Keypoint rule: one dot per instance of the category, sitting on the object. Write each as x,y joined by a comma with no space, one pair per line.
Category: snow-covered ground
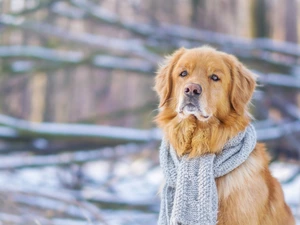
132,180
289,176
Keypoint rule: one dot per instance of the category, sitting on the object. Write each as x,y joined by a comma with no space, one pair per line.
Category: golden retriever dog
221,88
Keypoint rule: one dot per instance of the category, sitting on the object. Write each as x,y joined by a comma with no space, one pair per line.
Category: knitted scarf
189,196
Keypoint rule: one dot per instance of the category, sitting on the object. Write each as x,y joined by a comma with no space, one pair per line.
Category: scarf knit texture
189,196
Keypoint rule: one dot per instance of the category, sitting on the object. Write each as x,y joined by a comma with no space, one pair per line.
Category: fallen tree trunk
68,158
108,134
79,199
272,133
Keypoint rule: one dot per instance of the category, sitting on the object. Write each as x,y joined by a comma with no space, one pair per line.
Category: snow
132,179
123,63
31,177
288,175
22,66
63,8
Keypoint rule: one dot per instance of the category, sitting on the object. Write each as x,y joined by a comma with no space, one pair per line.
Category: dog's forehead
202,58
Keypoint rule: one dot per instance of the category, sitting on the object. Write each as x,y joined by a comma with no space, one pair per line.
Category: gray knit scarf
190,196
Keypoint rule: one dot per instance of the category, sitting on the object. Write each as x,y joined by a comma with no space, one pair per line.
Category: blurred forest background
77,141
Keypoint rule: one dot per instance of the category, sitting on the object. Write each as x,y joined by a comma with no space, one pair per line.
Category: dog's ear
243,85
163,79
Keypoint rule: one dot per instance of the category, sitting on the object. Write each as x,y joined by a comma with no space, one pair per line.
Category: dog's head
204,83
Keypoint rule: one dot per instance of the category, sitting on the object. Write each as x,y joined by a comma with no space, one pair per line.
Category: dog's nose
192,90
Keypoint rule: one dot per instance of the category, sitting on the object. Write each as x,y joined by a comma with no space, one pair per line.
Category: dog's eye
214,77
183,73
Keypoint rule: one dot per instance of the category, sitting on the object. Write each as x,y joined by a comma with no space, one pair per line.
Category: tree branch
281,80
271,133
37,52
132,46
63,59
62,159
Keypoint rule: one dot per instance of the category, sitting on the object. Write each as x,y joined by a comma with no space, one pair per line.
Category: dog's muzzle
190,101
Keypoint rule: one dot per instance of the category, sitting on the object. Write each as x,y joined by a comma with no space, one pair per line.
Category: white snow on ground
134,180
137,180
33,177
291,188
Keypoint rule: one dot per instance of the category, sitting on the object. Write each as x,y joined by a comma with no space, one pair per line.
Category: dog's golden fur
249,195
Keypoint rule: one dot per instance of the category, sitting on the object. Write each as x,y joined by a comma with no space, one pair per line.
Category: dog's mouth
190,108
